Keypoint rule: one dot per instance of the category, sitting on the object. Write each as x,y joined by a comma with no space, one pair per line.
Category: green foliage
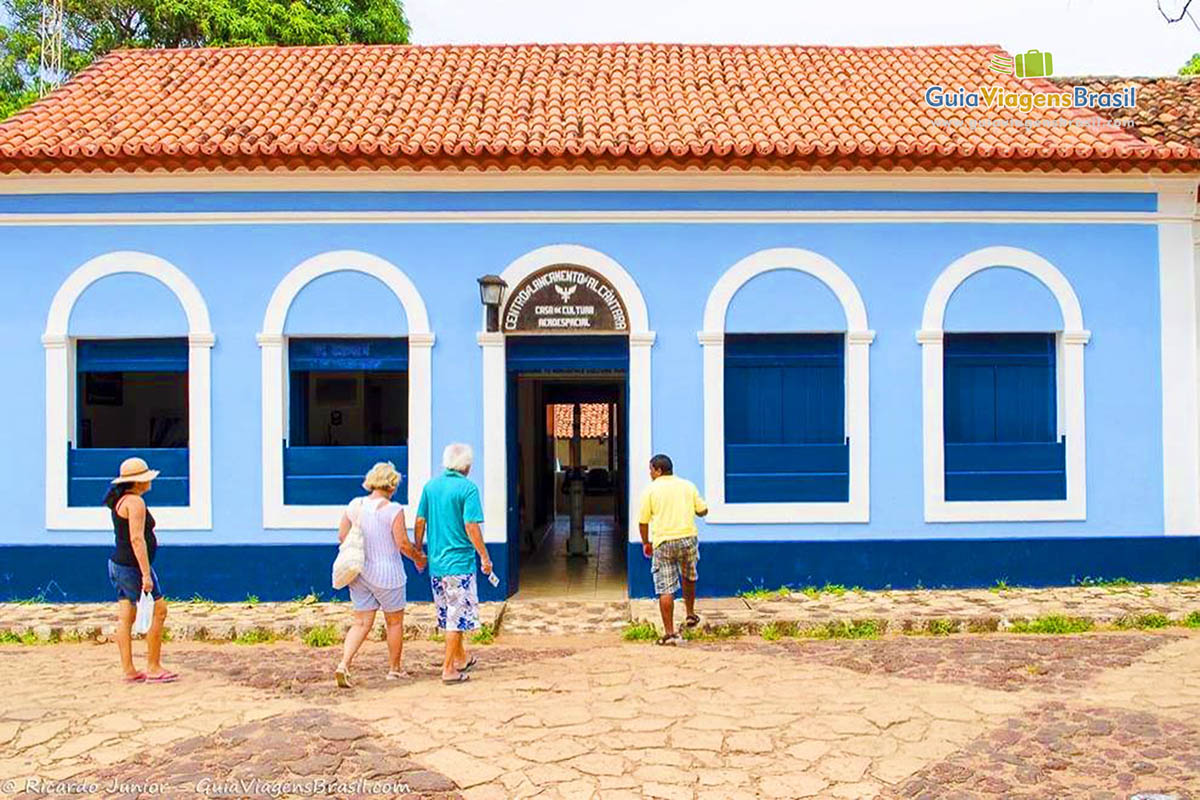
639,632
1142,622
92,28
761,593
1053,623
321,636
856,629
941,627
259,636
12,637
485,635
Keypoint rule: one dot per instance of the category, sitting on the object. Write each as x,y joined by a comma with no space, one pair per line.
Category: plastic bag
145,614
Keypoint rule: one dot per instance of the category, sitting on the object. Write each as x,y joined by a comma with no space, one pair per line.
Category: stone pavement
1103,715
965,609
205,620
955,609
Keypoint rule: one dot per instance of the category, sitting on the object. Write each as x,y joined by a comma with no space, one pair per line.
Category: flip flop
166,677
471,662
462,678
342,676
139,677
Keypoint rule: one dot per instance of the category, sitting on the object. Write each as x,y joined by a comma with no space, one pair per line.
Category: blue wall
1113,268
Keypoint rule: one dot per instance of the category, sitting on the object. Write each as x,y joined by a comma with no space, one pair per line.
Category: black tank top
123,554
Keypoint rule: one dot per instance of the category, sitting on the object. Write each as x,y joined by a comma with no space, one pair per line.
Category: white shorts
368,597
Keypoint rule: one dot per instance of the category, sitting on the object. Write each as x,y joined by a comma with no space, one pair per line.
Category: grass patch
1192,620
485,635
1104,583
259,636
321,636
855,629
1053,624
761,593
639,632
712,634
1142,622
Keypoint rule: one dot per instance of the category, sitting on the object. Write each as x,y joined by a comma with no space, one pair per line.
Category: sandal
692,621
165,677
137,677
342,676
397,675
669,641
462,678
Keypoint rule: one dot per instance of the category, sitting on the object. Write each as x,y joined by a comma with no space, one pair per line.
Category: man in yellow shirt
667,522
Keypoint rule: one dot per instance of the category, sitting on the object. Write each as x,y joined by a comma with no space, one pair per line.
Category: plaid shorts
674,560
457,602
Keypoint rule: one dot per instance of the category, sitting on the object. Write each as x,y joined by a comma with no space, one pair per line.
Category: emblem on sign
565,299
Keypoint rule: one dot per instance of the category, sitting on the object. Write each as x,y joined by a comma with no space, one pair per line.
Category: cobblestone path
1104,715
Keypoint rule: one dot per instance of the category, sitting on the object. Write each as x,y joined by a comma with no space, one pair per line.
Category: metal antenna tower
50,32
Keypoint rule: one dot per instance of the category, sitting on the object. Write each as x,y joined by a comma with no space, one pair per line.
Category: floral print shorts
457,602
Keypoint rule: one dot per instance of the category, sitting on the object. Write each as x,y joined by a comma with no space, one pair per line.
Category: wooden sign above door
565,298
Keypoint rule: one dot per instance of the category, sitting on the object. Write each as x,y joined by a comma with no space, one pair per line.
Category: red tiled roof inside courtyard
620,106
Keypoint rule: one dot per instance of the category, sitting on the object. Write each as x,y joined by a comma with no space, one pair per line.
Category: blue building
892,344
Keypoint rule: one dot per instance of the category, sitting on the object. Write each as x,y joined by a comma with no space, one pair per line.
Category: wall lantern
491,290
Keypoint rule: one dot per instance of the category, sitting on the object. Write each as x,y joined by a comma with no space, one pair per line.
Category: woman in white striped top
381,583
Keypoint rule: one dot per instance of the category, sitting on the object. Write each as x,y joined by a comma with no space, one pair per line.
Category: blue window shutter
785,418
131,355
332,354
1000,417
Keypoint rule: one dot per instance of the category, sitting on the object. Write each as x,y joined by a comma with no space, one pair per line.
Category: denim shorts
369,597
128,582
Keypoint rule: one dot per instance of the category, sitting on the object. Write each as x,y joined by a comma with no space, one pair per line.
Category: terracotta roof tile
620,106
1167,112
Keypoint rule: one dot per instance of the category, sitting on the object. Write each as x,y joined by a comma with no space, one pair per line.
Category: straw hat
135,470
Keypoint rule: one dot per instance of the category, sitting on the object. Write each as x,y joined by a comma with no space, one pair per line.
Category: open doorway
568,470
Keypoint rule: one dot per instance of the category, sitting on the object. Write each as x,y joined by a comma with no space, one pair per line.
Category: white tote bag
145,614
351,552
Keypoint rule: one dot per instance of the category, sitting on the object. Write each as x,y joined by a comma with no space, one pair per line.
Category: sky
1086,37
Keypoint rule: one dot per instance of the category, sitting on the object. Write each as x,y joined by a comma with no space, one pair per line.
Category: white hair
458,457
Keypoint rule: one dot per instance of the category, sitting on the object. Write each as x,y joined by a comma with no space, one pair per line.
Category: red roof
617,106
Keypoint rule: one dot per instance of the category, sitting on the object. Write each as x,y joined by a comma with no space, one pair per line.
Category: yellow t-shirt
669,506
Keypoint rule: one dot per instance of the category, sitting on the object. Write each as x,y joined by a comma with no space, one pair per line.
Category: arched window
111,397
1003,409
786,414
334,403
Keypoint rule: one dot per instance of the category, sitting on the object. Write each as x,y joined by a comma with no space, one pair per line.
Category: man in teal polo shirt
450,513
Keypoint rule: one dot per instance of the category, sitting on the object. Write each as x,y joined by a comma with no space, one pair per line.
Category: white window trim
273,346
495,424
1070,380
858,423
60,394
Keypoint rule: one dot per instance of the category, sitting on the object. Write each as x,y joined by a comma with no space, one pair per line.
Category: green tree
92,28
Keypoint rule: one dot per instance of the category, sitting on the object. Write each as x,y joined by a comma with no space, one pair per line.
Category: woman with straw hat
130,570
381,583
